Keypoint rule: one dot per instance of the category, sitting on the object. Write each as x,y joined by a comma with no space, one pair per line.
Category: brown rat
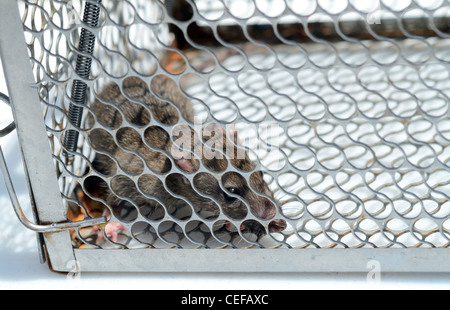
134,147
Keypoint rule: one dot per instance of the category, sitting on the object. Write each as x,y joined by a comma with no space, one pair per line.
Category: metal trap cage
337,111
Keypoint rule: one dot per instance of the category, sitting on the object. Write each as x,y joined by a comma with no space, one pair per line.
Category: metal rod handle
8,129
53,227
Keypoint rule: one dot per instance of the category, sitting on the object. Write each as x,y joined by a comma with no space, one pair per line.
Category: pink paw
112,231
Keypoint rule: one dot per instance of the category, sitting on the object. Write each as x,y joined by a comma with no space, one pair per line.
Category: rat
142,144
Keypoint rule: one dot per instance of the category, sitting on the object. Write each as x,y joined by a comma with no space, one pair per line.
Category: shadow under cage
265,135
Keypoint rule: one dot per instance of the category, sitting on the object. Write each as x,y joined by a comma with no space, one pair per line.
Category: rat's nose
254,227
257,228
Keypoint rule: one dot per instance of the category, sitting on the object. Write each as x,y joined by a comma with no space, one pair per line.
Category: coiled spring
83,69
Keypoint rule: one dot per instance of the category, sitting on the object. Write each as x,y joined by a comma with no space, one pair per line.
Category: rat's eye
234,191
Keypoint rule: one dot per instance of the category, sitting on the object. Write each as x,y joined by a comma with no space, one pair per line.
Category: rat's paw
112,231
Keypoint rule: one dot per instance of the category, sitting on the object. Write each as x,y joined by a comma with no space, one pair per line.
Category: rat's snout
264,209
252,226
257,228
267,210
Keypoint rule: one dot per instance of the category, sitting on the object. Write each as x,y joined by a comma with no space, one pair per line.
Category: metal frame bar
264,260
46,194
32,134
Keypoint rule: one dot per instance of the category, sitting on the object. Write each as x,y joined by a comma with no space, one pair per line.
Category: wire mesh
342,107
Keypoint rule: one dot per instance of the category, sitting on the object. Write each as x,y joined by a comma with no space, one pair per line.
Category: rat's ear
186,164
184,159
184,139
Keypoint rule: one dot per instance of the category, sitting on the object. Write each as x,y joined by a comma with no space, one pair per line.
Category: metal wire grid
353,136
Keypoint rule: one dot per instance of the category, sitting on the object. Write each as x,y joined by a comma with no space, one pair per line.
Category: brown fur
131,152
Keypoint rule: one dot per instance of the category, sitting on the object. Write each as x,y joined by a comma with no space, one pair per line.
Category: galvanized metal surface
32,133
264,260
352,136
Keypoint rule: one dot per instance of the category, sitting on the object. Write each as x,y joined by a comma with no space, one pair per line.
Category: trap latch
41,228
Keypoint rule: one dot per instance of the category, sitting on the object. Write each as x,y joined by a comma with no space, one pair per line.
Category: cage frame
45,195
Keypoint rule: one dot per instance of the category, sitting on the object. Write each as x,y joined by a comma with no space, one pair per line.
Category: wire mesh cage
274,135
